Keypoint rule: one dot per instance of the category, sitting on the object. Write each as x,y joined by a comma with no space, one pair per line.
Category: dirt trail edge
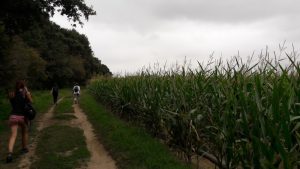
43,122
100,159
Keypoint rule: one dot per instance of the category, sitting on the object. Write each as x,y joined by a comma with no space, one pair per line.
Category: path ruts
99,159
42,123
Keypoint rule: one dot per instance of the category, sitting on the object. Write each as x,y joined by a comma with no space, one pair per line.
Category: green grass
41,101
131,147
4,107
4,111
66,93
61,147
64,107
64,117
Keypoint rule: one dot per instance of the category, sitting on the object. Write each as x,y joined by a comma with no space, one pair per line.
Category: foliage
235,114
68,54
19,15
35,49
21,61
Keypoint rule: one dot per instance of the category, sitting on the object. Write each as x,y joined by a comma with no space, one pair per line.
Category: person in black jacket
18,99
54,92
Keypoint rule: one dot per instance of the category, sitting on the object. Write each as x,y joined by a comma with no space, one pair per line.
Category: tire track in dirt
42,123
100,159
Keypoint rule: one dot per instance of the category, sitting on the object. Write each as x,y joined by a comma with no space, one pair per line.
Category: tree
36,49
18,15
73,9
21,62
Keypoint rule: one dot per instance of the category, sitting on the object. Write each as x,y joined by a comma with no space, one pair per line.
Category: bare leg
24,135
13,136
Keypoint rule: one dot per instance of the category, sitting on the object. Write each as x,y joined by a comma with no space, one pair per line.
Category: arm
28,95
11,95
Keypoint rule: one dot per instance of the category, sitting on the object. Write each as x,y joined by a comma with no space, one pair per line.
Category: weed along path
65,139
99,157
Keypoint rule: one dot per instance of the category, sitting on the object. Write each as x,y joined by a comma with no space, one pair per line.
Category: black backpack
28,110
76,89
55,89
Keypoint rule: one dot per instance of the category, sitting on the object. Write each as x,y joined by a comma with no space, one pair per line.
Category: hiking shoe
24,150
9,158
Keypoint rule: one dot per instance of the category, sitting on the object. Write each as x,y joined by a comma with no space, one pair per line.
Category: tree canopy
38,50
18,15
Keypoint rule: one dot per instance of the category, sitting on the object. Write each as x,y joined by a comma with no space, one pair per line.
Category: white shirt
78,92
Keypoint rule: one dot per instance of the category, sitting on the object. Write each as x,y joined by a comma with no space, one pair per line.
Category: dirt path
42,123
100,159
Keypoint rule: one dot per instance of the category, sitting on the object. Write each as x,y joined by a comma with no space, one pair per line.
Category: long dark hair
20,84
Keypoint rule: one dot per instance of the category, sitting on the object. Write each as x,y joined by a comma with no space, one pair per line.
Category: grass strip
131,147
64,117
65,106
61,147
41,101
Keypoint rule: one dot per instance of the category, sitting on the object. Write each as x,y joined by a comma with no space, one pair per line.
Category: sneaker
9,158
24,150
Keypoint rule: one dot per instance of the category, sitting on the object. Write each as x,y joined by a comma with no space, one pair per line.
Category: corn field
236,114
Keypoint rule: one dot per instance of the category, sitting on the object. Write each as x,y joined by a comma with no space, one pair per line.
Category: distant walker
54,92
76,93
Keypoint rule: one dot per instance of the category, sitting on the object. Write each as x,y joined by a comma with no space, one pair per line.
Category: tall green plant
235,114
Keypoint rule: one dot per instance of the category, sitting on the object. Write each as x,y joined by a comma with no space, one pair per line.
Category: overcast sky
129,34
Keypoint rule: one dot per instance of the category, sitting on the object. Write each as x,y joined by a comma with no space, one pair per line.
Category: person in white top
76,93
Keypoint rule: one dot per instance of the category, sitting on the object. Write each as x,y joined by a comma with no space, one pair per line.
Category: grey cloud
129,34
146,16
143,11
227,10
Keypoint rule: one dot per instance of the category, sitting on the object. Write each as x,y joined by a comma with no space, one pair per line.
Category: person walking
18,98
54,92
76,93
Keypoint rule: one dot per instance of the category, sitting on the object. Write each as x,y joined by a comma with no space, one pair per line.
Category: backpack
76,89
55,89
28,109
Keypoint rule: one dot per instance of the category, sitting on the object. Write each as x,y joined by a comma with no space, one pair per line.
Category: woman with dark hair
18,98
